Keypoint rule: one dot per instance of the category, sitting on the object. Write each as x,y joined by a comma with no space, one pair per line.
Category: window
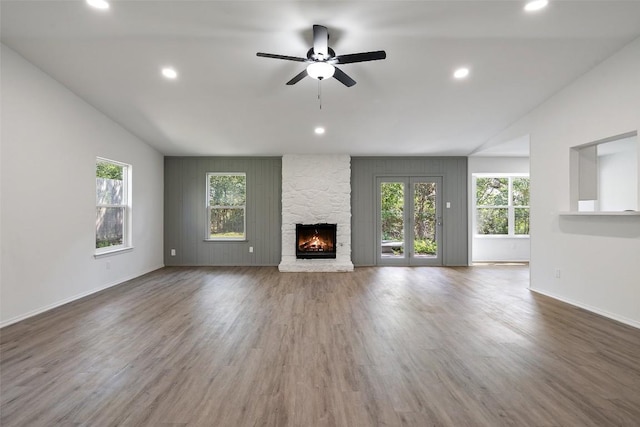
502,205
226,206
113,207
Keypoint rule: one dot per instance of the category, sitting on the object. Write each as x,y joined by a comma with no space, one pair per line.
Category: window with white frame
113,205
226,206
501,205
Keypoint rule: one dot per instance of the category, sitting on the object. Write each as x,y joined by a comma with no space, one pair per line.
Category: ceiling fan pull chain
319,95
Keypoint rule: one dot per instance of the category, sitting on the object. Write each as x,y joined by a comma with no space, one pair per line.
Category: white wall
496,248
50,140
597,256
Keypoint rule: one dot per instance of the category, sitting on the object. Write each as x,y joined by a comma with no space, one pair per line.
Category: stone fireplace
316,190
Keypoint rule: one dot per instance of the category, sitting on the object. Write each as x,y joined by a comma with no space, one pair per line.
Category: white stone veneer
316,189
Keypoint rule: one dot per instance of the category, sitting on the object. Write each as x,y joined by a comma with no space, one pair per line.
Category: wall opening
604,175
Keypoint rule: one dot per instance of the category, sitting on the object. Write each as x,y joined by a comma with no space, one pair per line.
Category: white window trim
112,252
510,207
207,235
126,246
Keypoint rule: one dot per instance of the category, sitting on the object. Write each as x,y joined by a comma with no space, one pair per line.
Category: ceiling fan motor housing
314,57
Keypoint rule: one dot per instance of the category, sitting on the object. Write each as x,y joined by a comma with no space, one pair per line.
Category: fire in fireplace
316,240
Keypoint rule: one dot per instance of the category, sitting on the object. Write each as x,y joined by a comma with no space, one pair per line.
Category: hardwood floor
380,346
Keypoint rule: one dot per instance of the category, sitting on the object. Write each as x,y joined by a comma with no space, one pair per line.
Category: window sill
112,252
600,213
501,236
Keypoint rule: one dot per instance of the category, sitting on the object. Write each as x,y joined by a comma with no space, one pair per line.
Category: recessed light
170,73
319,130
535,5
461,73
98,4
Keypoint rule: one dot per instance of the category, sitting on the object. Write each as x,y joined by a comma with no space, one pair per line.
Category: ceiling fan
322,60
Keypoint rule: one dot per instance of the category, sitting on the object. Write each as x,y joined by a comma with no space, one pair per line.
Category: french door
409,220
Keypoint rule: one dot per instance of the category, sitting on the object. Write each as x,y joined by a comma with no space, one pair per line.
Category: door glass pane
392,219
424,220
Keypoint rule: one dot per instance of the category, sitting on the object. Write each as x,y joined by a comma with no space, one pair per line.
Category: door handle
439,221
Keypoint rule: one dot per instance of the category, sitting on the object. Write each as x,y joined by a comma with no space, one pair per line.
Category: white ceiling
228,101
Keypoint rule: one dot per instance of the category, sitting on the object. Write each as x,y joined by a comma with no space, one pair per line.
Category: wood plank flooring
377,347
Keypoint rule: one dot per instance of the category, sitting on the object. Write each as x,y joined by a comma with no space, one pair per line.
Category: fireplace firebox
316,241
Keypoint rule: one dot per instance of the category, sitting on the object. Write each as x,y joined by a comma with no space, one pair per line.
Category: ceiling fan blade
288,58
360,57
298,77
342,77
320,41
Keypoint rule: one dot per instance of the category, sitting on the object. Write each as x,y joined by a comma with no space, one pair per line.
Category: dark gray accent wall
365,170
185,221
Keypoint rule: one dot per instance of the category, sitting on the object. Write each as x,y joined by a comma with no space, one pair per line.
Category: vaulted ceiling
228,101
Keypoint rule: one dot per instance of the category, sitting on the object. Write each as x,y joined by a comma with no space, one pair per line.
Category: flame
316,242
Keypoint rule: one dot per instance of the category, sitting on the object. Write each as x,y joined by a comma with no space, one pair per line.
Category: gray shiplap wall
365,170
185,219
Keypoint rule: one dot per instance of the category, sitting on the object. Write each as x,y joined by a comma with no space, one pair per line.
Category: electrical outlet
250,249
557,273
448,205
173,252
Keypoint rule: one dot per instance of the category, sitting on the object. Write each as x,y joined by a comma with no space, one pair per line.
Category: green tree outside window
502,205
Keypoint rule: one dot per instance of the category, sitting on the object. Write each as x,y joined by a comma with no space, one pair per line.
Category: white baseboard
71,299
612,316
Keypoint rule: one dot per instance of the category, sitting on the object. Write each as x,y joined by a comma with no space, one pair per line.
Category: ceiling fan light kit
535,5
98,4
321,59
320,70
